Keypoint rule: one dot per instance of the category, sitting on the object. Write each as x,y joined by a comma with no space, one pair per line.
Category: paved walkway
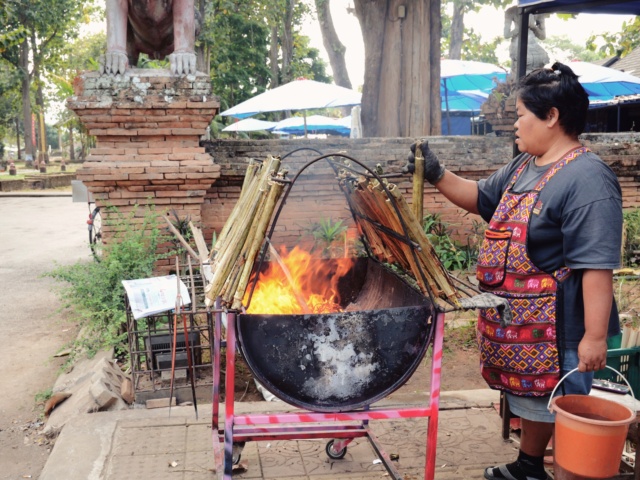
150,444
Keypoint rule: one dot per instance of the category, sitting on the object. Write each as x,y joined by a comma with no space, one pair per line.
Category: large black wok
342,361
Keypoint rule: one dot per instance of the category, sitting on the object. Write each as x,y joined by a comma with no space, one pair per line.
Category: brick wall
313,198
147,125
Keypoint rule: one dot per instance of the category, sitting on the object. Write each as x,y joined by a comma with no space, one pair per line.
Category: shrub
93,291
631,245
453,255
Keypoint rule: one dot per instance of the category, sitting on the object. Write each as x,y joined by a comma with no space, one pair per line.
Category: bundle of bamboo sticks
380,218
233,256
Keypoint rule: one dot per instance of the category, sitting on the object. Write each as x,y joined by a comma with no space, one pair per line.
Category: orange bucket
589,435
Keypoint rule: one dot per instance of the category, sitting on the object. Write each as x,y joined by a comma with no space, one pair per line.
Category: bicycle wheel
95,233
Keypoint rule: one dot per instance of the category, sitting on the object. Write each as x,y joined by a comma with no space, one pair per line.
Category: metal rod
434,398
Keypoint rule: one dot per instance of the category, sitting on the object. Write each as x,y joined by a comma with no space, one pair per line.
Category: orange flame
314,279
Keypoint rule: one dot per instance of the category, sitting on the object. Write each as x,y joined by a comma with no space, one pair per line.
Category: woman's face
531,132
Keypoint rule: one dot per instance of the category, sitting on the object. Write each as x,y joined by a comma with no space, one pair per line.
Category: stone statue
159,28
536,55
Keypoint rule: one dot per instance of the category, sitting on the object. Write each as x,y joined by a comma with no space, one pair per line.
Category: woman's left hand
592,354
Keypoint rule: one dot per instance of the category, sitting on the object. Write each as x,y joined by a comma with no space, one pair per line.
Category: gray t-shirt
579,225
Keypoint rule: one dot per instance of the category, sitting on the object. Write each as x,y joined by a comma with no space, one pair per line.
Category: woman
553,240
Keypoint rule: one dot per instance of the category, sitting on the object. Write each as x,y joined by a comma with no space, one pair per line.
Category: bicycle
94,224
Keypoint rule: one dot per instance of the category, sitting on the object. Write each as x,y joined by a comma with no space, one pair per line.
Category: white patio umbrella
297,95
249,125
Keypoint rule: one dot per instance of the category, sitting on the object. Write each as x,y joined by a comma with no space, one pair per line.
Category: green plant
452,255
42,397
631,245
326,232
93,291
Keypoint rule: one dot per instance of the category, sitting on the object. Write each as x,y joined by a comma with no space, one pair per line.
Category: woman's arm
597,291
459,191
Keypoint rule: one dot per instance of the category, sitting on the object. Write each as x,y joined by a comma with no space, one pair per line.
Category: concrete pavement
151,444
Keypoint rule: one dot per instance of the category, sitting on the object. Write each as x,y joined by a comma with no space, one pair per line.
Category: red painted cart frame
290,426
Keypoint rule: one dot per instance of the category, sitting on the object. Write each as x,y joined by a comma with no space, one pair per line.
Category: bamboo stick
436,271
201,244
418,184
272,200
180,238
249,176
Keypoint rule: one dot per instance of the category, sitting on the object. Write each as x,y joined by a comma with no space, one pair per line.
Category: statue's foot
113,63
183,63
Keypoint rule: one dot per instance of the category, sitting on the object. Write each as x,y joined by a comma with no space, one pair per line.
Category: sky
488,23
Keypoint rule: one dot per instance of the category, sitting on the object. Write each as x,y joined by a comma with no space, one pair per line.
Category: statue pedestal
500,109
147,125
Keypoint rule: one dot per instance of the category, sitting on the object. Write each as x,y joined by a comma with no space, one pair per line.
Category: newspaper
148,296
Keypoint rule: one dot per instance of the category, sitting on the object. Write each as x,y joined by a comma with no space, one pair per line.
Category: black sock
525,466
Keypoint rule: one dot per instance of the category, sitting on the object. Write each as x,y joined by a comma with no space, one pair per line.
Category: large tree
334,47
401,92
45,26
457,33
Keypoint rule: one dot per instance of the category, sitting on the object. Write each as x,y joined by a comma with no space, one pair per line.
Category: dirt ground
34,233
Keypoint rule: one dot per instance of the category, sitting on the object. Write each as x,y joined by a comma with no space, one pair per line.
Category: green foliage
239,67
93,291
326,232
42,397
617,43
631,245
452,254
563,43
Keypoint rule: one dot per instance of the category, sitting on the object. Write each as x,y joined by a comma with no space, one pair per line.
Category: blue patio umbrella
463,100
457,75
603,83
311,124
463,83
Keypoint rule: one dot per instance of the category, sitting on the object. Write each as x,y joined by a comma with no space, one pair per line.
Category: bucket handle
575,370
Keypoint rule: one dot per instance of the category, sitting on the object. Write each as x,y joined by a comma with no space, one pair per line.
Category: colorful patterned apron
523,357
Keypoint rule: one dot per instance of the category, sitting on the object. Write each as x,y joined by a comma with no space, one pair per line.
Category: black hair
545,88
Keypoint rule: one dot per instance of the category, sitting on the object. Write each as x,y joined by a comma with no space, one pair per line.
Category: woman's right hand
433,169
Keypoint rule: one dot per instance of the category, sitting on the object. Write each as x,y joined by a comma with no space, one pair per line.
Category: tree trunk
43,155
287,42
203,53
332,44
72,147
401,92
18,139
26,102
457,30
273,57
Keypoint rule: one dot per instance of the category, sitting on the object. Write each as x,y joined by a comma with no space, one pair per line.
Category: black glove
433,169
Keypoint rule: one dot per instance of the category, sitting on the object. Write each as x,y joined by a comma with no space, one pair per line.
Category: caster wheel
331,453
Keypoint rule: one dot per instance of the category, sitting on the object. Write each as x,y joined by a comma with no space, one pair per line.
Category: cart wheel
331,453
237,452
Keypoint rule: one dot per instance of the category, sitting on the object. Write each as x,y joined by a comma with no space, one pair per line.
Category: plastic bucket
589,435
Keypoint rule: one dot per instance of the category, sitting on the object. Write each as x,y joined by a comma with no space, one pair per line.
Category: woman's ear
553,116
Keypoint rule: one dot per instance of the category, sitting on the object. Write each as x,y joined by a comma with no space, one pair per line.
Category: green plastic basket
627,362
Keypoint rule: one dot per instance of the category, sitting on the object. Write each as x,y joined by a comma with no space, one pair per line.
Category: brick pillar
147,125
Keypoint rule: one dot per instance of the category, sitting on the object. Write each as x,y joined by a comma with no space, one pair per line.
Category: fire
314,280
